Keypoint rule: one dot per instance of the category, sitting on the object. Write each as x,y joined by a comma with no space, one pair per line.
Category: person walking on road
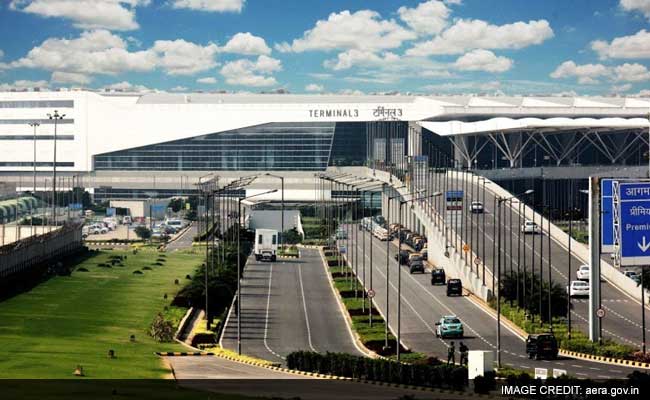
451,354
463,353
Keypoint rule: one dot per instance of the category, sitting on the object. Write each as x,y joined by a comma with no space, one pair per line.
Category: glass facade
300,146
37,104
43,121
38,137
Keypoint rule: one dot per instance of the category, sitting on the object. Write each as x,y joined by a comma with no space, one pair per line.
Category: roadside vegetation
373,337
315,231
107,305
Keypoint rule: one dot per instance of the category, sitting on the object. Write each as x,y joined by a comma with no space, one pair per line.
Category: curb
183,353
605,360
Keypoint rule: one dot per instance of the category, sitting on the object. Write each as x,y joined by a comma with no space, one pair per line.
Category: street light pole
56,117
33,125
282,207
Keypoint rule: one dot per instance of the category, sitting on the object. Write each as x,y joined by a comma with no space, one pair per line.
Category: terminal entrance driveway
424,304
288,305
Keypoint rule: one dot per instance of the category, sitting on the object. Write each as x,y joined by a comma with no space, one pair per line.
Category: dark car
454,287
438,276
403,257
416,265
542,345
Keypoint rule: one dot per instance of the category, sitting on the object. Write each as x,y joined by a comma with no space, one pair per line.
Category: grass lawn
74,320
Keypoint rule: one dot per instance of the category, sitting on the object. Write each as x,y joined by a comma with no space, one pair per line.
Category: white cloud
2,53
620,88
207,80
463,87
427,18
22,84
319,75
351,92
631,73
363,30
178,89
86,14
477,34
70,77
210,5
246,72
247,44
642,6
179,57
643,93
483,60
633,46
93,52
355,57
127,87
586,74
313,87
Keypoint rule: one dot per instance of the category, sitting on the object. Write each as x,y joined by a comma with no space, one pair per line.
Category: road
423,304
223,376
185,240
288,305
622,322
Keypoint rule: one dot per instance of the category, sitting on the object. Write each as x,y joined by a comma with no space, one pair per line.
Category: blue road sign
607,215
110,212
635,223
75,206
343,249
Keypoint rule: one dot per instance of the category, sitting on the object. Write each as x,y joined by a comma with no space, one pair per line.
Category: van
175,223
543,345
266,244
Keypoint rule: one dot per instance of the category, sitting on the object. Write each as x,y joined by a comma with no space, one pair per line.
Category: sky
496,47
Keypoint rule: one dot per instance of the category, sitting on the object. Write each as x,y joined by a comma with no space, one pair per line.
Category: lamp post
399,266
239,222
500,201
33,125
56,117
206,242
282,207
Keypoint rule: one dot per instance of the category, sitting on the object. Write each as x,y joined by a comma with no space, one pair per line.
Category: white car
531,227
578,288
583,273
633,275
476,207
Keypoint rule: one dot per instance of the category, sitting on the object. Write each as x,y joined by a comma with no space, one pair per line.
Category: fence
23,255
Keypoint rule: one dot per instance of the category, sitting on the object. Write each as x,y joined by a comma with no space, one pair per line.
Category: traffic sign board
558,372
607,215
541,373
600,313
477,260
634,226
465,247
371,293
342,249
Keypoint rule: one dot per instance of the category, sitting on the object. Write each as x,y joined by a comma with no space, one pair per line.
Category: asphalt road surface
223,376
622,322
288,305
424,304
185,240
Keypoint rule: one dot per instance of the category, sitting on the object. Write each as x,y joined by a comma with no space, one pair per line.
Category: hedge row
340,364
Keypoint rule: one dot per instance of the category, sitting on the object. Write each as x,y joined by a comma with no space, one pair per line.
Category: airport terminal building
126,144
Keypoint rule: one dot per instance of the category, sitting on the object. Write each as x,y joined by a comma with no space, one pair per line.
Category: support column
594,251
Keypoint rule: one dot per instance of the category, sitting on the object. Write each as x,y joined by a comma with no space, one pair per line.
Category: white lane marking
304,306
605,330
266,323
576,365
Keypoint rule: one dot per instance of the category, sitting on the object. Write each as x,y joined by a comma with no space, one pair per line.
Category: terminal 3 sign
380,112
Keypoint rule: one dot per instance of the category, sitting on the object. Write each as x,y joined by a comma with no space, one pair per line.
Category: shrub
142,232
485,384
137,272
82,269
146,268
161,329
347,365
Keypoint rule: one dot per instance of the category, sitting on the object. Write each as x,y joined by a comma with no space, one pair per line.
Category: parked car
415,257
425,252
541,345
578,288
449,326
416,265
454,287
341,234
438,276
531,227
403,257
476,207
583,273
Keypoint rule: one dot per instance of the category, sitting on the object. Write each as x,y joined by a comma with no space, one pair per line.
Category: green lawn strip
579,342
372,337
74,320
290,251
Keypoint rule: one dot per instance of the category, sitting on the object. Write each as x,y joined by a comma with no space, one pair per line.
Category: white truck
266,244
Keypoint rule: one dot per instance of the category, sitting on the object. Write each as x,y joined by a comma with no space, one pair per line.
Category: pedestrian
463,353
451,354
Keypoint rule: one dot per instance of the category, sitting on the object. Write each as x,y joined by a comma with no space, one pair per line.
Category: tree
292,236
143,232
176,204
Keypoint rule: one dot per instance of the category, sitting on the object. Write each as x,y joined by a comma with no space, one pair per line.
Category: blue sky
335,46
